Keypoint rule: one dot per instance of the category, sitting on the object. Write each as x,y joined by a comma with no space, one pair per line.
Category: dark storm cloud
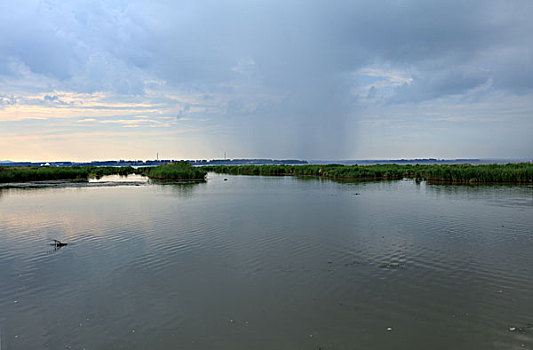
290,43
452,46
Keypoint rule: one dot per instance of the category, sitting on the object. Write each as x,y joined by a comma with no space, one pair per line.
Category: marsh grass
515,173
521,173
75,173
177,171
174,171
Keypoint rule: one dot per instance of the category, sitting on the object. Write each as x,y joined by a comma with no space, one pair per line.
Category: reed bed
74,173
516,173
173,172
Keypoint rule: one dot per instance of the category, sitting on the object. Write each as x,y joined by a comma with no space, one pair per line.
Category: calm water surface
267,263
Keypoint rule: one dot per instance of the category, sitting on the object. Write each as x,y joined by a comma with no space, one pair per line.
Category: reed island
180,171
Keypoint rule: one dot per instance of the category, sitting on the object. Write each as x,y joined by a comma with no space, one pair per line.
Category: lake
243,262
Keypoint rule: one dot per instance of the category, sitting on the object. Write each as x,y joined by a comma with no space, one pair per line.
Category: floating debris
522,329
386,265
389,329
58,243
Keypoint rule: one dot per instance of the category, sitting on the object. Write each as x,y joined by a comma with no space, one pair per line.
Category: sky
116,79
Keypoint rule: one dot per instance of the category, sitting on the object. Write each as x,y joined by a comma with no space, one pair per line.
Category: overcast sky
103,79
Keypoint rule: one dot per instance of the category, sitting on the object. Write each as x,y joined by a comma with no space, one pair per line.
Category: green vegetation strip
386,265
75,173
174,172
170,172
517,173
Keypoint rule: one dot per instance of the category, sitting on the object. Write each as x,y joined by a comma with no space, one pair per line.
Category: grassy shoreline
75,173
512,173
174,172
171,172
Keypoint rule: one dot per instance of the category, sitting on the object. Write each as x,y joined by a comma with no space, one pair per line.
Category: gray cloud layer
287,73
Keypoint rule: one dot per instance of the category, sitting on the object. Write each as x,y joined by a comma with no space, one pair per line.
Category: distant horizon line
275,159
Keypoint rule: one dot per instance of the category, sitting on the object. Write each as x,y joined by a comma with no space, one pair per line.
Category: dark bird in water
58,243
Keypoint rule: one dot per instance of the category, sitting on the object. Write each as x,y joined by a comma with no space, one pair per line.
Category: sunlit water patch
132,178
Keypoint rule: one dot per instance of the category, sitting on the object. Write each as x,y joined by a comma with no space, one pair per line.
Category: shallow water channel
243,262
